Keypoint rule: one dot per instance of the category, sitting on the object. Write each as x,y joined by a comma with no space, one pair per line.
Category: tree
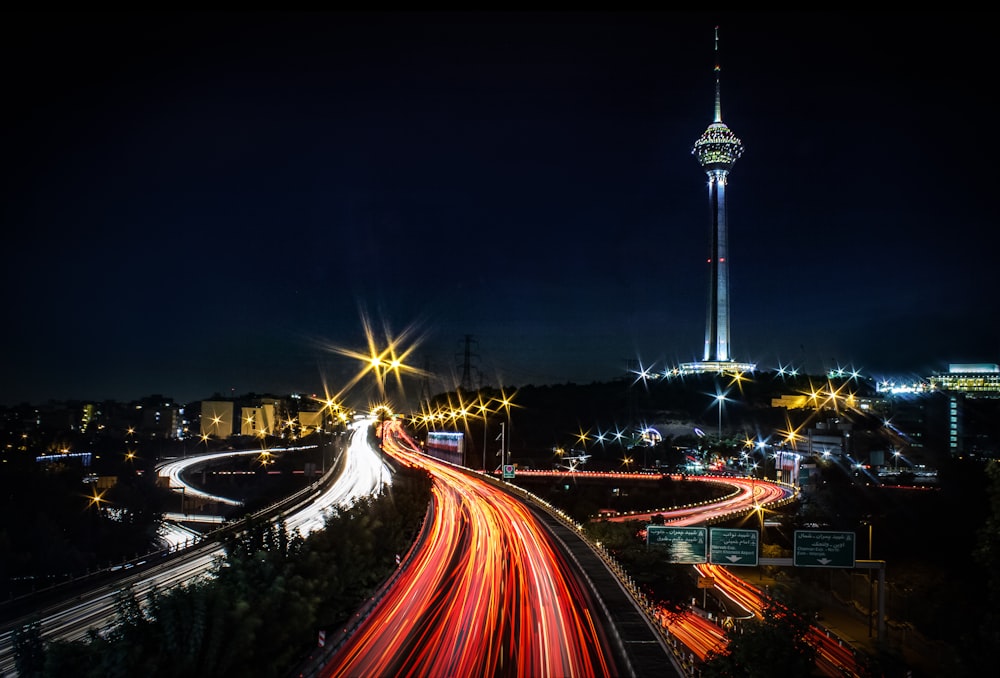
648,567
773,646
982,645
258,611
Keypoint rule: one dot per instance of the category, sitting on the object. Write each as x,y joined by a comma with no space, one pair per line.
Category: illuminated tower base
717,366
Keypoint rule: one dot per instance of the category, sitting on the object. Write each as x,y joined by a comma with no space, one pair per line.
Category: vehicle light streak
71,620
746,494
833,658
488,593
173,471
701,636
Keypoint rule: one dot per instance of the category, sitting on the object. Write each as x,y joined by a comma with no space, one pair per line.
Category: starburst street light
382,362
506,402
265,458
759,510
484,411
737,378
97,499
786,371
644,374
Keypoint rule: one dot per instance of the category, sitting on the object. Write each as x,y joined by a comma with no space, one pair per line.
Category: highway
701,636
362,474
487,593
832,657
746,495
481,574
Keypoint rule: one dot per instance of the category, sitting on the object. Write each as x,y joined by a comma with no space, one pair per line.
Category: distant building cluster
160,418
965,389
152,418
266,416
957,411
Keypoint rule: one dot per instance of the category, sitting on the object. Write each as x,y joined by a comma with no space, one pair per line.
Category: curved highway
487,593
362,474
700,636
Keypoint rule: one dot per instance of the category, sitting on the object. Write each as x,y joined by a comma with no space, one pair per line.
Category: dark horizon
201,202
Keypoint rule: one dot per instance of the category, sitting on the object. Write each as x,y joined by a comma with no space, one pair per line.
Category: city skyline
203,202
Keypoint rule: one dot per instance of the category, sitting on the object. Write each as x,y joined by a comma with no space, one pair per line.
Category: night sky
214,203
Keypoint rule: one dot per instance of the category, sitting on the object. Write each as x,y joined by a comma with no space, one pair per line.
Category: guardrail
318,659
684,657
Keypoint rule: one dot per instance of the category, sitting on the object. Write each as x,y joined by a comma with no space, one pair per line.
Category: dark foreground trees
665,584
260,610
773,646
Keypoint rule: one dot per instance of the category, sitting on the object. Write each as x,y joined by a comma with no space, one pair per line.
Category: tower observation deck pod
717,150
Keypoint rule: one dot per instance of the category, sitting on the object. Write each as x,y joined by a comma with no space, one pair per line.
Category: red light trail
487,593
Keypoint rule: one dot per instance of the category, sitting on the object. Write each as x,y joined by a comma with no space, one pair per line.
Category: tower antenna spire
718,89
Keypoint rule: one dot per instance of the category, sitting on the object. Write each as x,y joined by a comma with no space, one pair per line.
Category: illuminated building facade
717,150
964,382
216,418
259,421
955,412
973,379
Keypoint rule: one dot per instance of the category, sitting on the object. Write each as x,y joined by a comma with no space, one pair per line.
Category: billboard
447,446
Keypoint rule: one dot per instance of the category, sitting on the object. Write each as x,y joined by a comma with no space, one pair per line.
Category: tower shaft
717,324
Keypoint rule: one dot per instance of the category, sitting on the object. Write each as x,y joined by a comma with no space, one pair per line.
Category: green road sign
820,548
687,544
733,547
508,471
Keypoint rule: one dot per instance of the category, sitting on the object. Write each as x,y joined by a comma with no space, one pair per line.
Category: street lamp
720,398
96,499
503,444
870,593
506,402
484,409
